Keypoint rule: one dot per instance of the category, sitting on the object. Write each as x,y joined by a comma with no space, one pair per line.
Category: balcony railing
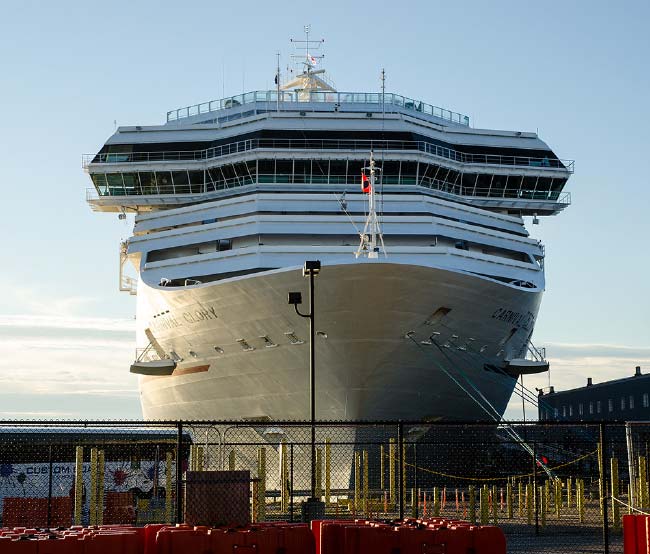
285,98
486,193
324,144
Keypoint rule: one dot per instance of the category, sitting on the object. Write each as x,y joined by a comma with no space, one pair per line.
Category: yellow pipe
168,488
319,473
616,507
328,471
78,485
366,496
391,471
93,487
100,488
261,485
472,505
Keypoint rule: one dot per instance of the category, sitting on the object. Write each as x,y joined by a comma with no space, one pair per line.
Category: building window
631,402
591,407
563,411
556,412
598,406
580,409
570,410
622,403
645,399
610,405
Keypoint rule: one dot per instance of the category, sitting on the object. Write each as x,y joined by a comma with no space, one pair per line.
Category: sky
575,71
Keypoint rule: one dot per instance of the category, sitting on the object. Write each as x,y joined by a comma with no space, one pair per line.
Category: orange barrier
410,536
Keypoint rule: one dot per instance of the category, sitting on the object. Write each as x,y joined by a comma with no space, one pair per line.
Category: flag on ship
312,60
365,183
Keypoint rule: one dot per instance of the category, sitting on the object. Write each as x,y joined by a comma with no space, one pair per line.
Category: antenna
371,236
383,95
277,81
308,59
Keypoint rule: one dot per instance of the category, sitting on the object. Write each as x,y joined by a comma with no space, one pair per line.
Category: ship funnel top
308,58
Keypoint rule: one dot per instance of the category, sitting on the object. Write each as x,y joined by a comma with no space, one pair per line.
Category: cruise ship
425,314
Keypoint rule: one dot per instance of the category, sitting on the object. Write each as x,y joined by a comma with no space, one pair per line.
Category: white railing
288,97
325,145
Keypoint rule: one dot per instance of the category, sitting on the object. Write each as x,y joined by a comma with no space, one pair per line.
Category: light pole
310,269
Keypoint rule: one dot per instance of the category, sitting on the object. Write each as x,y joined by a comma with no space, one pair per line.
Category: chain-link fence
552,487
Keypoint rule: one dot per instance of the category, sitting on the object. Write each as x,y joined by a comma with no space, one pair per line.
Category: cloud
30,321
53,366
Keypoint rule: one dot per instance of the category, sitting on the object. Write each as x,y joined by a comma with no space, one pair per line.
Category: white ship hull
366,366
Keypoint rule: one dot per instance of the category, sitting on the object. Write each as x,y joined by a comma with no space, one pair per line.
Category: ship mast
371,237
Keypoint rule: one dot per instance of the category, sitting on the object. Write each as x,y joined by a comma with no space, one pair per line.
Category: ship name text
171,321
515,318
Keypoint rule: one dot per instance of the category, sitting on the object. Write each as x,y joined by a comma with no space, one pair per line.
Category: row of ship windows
325,172
596,407
221,245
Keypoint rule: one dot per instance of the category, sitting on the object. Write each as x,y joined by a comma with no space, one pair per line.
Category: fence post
400,468
179,472
603,457
168,488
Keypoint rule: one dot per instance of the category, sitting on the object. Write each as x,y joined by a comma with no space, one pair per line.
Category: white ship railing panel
326,145
286,100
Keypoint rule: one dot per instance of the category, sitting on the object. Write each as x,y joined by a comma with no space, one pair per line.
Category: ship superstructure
232,196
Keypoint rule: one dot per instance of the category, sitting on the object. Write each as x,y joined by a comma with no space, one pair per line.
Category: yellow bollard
414,503
558,497
169,507
284,476
100,488
78,485
261,484
472,505
199,457
319,473
495,505
366,495
232,457
616,507
436,501
484,505
520,490
569,484
357,482
509,500
629,498
328,471
547,494
643,484
92,516
542,505
529,503
601,480
382,468
403,470
391,471
581,501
